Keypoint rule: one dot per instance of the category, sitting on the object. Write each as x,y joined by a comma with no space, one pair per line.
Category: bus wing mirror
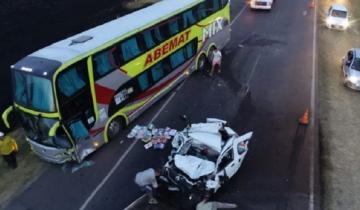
9,117
53,129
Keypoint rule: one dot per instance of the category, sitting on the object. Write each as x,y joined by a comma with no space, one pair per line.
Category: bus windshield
33,92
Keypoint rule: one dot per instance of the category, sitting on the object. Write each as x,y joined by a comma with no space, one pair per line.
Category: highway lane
275,61
276,173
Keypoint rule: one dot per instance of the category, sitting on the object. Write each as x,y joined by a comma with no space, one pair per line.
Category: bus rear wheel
114,128
201,64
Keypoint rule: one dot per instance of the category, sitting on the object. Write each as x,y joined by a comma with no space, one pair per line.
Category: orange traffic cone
312,4
304,119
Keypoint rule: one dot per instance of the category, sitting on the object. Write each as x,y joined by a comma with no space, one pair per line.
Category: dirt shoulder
14,181
339,115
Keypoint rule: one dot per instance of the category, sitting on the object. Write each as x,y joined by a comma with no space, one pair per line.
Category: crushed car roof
207,134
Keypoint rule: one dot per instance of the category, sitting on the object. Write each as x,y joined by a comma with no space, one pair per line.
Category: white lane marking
253,69
238,15
133,204
312,155
92,195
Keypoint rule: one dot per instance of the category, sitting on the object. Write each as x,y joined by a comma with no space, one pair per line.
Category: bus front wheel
115,126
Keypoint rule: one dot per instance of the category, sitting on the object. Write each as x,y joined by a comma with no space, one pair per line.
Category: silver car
351,69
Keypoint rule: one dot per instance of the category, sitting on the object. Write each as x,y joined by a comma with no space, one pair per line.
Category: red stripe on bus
158,88
103,94
96,131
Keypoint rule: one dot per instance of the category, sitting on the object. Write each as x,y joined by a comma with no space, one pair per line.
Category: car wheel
114,128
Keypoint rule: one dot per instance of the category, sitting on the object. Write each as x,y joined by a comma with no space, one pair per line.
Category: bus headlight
96,144
346,24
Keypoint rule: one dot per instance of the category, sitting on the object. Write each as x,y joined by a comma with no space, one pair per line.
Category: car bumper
255,6
336,26
352,85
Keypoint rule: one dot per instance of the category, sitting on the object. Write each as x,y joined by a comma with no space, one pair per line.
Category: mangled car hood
193,166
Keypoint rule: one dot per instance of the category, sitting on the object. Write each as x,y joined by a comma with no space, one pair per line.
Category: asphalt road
271,53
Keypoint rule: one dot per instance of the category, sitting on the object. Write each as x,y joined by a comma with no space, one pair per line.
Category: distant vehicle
261,4
206,155
351,69
75,95
337,17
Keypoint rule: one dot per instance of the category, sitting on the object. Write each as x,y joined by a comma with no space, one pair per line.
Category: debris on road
152,136
74,167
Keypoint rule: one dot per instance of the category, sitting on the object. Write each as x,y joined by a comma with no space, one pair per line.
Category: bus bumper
50,154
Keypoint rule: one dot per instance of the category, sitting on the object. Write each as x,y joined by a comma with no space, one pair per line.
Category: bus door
76,106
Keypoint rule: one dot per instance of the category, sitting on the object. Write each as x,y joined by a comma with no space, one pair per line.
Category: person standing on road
146,180
8,149
216,61
205,204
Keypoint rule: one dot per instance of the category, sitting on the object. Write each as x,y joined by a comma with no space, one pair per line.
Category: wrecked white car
204,156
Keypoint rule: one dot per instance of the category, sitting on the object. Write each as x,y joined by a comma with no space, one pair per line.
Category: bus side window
188,19
104,62
223,3
78,130
144,81
177,58
190,49
213,6
130,49
157,72
158,35
174,26
149,41
72,81
166,66
141,42
201,11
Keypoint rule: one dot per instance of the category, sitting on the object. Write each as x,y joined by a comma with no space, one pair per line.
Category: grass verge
14,181
339,113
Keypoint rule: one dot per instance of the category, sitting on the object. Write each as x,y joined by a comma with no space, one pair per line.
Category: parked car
205,155
337,17
261,4
351,68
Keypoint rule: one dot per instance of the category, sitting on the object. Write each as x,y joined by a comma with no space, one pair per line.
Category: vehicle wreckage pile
204,156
